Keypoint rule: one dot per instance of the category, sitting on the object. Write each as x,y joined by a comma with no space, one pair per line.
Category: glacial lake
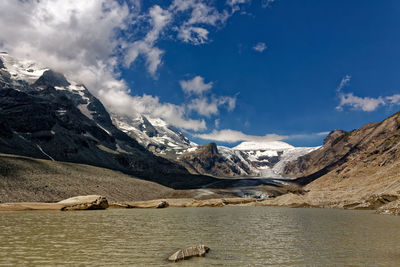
237,236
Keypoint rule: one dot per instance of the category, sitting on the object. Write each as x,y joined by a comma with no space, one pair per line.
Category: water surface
237,236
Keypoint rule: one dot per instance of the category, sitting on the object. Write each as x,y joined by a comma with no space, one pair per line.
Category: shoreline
89,203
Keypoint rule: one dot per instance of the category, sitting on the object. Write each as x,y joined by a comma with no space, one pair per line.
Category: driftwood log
182,254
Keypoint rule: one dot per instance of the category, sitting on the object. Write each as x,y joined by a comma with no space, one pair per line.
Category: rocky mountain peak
210,148
52,78
334,135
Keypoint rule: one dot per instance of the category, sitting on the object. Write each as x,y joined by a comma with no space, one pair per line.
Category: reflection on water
237,236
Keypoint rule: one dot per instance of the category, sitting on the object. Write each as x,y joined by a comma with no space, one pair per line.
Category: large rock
182,254
91,202
155,204
392,208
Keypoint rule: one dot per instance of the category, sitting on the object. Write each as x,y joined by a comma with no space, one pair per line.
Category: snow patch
25,70
45,153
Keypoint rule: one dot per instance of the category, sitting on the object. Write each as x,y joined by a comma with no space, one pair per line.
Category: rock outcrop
207,160
183,254
183,202
150,204
392,208
92,202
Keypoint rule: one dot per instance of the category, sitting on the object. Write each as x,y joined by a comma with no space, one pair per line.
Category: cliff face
206,159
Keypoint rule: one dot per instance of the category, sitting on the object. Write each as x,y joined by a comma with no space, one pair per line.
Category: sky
222,71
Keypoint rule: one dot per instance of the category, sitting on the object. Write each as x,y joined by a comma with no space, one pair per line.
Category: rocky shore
384,204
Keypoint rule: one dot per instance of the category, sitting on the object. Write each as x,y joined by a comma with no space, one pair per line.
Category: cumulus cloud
61,35
362,103
89,41
159,19
195,86
205,104
207,107
232,136
119,102
260,47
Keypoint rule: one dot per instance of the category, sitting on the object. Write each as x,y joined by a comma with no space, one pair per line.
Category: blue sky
235,71
290,87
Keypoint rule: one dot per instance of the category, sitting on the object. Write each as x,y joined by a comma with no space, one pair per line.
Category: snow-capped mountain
68,123
45,115
269,158
262,159
154,134
256,159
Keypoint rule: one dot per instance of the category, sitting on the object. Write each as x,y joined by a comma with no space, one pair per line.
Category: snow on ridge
25,70
269,145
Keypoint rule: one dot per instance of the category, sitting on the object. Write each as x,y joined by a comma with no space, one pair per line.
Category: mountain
44,115
257,159
375,146
154,134
356,169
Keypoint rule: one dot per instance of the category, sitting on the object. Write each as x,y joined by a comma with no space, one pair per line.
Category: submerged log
182,254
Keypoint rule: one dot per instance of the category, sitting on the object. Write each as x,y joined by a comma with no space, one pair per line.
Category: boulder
392,208
156,204
91,202
182,254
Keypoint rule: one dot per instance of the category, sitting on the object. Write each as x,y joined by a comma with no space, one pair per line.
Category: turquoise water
237,236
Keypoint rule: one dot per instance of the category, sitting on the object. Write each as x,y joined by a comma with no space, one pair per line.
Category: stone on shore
155,204
91,202
392,208
182,254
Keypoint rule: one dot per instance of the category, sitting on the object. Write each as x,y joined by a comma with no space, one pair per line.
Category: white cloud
159,19
204,104
394,99
260,47
344,82
88,41
217,122
195,86
232,136
61,35
207,107
266,3
202,14
193,35
237,2
120,102
362,103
